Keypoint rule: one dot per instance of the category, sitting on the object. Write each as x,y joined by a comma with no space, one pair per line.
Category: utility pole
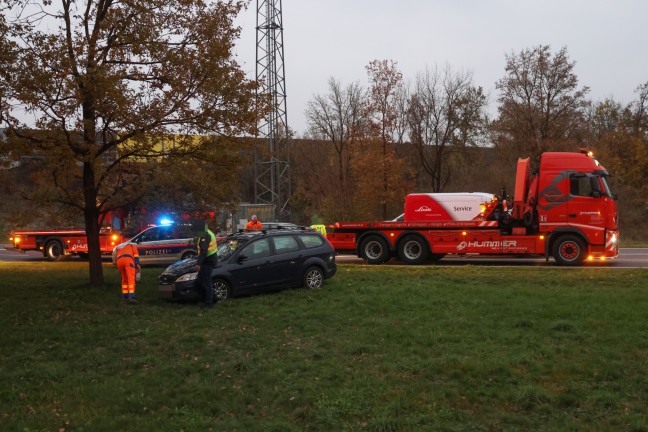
272,165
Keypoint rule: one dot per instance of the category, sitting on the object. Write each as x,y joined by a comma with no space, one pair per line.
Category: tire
374,249
412,249
569,250
53,250
187,255
222,290
313,278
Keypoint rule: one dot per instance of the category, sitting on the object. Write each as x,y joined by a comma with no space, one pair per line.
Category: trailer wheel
53,250
374,250
413,250
569,250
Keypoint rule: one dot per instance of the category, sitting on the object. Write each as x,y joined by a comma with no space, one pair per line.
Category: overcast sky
337,38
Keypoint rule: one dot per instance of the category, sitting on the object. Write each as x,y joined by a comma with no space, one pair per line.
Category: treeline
367,147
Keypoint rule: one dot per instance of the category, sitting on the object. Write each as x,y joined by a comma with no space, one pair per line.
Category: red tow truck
566,211
58,242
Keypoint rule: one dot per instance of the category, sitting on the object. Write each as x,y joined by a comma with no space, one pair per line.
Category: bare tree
338,117
640,110
386,84
446,114
541,107
101,76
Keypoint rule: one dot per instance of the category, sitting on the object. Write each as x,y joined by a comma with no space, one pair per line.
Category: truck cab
574,201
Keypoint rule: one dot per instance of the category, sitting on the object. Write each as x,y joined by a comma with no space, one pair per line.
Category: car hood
181,267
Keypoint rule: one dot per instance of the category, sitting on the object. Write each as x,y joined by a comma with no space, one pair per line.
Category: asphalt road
628,258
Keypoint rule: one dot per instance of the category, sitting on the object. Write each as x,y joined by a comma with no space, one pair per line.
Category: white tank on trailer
452,206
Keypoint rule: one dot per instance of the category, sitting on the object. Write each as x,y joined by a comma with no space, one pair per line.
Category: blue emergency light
165,221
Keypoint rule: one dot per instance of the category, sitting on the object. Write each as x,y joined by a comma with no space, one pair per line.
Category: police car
164,244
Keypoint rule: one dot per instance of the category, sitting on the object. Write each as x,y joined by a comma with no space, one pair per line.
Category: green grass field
377,349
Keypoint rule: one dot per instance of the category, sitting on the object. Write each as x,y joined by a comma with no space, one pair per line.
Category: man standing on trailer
254,225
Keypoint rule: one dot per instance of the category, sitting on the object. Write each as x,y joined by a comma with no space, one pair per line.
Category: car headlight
187,277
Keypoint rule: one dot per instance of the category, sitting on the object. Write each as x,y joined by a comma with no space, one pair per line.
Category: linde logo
424,208
486,244
460,209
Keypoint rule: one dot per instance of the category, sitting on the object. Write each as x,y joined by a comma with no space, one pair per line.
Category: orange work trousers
127,269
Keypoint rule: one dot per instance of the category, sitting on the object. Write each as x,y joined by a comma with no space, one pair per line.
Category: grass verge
377,349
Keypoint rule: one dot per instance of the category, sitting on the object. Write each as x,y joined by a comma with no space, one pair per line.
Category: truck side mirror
596,194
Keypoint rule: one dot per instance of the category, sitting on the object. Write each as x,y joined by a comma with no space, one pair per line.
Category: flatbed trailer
56,243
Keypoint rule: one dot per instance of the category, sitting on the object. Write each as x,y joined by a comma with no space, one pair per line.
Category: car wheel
53,250
413,250
374,250
187,255
569,250
222,290
313,278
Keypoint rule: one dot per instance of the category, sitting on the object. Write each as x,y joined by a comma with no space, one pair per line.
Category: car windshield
227,247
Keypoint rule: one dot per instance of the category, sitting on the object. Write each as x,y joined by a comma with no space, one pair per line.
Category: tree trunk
91,215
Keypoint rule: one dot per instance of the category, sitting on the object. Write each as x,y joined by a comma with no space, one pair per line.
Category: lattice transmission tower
272,166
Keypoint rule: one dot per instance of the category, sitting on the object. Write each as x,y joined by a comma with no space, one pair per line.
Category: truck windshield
606,187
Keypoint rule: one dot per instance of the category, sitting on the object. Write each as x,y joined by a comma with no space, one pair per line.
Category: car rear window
311,240
285,244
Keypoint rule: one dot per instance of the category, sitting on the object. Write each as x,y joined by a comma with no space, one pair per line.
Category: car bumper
330,271
179,291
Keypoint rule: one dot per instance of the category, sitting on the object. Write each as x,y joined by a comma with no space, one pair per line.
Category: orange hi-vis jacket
252,225
127,260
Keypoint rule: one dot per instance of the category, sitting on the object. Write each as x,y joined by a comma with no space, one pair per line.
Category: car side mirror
596,194
241,259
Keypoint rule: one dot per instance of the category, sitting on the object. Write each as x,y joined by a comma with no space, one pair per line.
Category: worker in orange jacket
128,264
254,224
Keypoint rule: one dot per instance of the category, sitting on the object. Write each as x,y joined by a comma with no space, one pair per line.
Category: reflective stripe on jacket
213,246
128,251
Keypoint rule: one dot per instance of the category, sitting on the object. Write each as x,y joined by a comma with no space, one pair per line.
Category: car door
146,243
251,271
288,261
174,240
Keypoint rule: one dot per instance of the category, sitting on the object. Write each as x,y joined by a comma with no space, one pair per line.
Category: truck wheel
313,278
221,289
413,250
374,250
53,250
569,250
